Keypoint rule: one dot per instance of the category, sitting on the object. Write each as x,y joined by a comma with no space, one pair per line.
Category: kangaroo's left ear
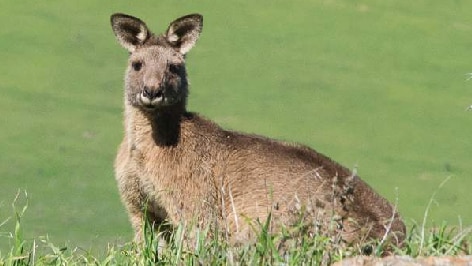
130,31
183,32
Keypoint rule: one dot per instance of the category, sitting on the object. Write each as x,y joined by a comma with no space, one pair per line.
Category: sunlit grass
377,84
205,250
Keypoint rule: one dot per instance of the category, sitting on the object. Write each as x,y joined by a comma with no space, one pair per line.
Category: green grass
377,85
205,250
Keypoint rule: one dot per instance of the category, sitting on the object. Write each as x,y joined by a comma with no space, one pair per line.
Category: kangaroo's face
156,75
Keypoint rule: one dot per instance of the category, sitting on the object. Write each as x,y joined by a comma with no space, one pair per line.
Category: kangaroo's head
156,77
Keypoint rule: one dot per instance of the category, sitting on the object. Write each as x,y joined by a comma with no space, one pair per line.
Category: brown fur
181,167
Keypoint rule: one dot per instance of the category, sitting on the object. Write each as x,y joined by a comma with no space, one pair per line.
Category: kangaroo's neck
166,128
162,127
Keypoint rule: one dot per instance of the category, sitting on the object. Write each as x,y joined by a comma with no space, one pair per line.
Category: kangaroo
174,165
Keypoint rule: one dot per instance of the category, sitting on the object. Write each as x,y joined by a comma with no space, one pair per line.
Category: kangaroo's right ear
130,31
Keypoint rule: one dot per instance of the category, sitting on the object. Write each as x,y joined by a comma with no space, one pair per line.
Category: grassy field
380,86
213,250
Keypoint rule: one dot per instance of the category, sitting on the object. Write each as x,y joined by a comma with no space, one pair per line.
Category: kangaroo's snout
152,96
152,93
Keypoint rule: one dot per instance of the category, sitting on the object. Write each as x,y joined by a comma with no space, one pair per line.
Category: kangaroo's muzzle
151,97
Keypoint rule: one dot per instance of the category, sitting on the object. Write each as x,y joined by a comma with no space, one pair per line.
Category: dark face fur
156,76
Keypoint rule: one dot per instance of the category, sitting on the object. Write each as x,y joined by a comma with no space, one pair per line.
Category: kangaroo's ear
130,31
183,32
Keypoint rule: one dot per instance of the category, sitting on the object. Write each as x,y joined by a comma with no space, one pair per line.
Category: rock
406,261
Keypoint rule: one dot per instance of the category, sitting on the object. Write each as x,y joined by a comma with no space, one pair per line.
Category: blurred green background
377,85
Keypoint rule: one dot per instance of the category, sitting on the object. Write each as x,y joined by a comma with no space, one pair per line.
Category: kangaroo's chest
176,187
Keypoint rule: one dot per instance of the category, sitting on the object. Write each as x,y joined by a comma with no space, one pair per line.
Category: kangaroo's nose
152,93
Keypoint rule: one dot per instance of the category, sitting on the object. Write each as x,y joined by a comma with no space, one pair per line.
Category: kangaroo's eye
137,65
